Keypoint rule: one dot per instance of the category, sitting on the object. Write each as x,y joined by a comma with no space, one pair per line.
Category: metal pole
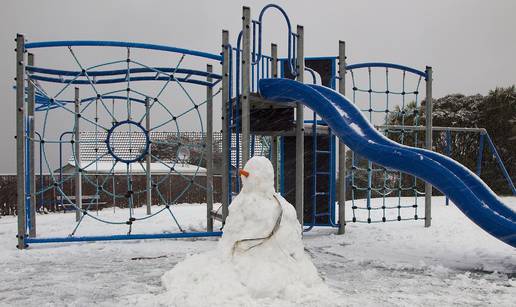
448,152
508,178
428,143
300,134
209,151
342,146
274,143
20,140
78,170
226,189
32,173
246,89
148,159
274,61
480,153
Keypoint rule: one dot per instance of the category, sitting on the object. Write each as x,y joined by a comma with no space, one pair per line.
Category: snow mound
260,259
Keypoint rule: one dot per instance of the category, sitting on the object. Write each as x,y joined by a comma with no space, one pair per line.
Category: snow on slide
260,259
472,196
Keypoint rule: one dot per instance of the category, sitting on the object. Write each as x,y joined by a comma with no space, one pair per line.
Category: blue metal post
448,153
31,177
41,179
333,176
480,153
27,175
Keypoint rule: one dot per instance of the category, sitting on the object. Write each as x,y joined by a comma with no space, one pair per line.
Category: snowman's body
264,211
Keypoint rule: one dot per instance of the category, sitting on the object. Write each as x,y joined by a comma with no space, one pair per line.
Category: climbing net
123,124
392,96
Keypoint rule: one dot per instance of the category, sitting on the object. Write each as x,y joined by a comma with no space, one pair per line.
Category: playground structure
250,111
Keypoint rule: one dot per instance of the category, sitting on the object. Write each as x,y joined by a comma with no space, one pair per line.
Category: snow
357,129
453,262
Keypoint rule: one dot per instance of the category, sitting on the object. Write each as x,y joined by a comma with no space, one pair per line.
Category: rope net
392,97
128,125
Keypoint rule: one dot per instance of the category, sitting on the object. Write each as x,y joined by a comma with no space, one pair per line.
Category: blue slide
468,192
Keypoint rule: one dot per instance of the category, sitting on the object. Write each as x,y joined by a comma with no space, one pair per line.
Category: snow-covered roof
157,168
128,144
93,146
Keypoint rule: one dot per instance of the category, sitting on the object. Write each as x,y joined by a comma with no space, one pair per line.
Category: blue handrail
93,73
312,72
387,65
91,43
291,44
121,80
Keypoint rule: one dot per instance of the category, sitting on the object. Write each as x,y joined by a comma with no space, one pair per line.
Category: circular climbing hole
127,141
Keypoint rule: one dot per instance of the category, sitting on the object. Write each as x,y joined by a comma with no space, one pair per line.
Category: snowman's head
258,175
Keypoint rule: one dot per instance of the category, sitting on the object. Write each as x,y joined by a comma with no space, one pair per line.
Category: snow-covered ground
400,263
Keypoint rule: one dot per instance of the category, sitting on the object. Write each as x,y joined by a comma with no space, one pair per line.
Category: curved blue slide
468,192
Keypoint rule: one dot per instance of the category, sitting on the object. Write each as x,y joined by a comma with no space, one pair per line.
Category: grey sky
470,44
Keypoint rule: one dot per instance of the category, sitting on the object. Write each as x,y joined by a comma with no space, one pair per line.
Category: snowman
262,235
259,259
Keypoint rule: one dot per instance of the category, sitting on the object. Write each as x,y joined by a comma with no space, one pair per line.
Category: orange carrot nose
243,173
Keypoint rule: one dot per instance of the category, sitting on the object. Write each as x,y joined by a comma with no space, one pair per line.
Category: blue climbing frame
94,76
234,73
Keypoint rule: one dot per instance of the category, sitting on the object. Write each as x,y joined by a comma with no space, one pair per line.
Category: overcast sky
470,44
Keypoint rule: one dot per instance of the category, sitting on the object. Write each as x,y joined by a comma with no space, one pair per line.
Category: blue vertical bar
252,77
270,153
263,68
27,176
41,180
314,170
282,71
333,172
480,154
282,143
333,153
267,69
236,122
230,114
369,183
61,184
253,141
333,74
